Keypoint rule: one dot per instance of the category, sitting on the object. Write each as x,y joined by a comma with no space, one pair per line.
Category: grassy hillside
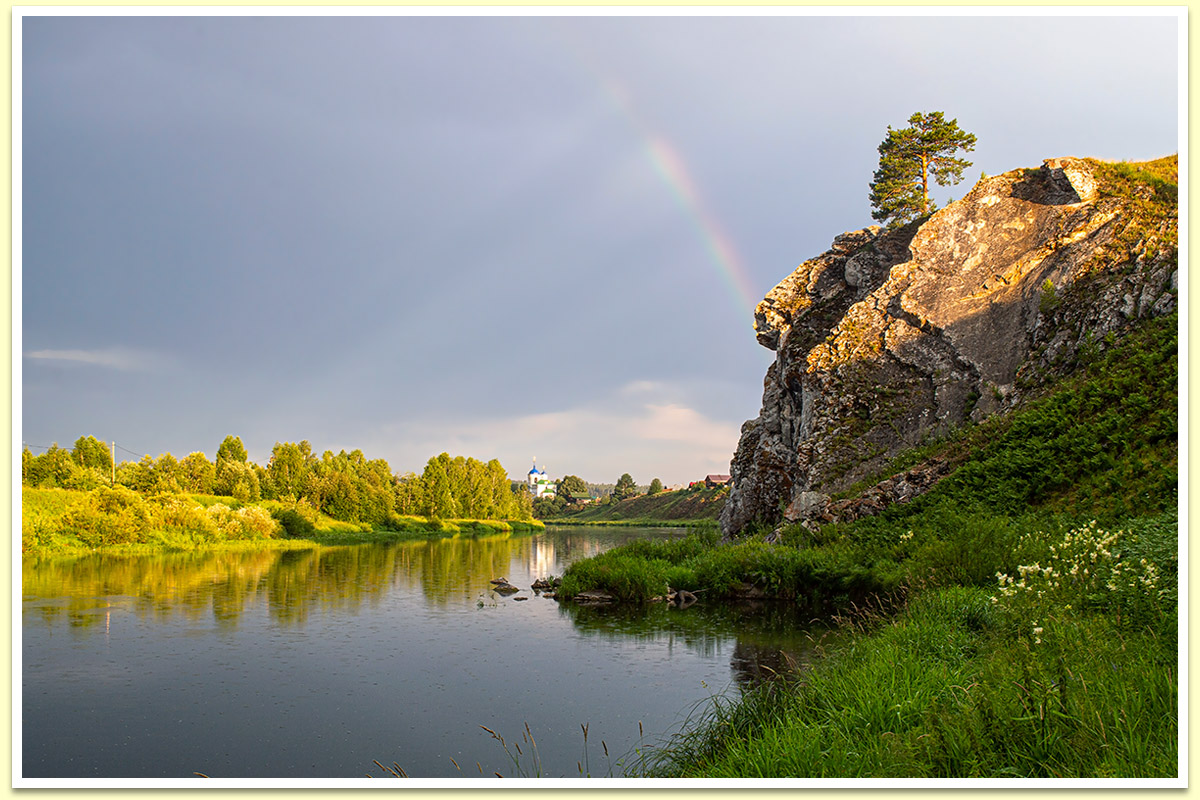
1019,620
681,507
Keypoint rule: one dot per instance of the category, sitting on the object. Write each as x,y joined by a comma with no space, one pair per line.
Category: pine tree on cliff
908,158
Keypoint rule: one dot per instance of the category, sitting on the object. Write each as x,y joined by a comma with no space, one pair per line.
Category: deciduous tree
91,452
572,486
196,474
288,469
232,449
625,487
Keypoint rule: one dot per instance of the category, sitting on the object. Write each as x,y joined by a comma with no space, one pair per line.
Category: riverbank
1018,620
69,522
634,523
956,686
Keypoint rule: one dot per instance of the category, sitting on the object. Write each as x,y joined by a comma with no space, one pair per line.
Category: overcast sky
499,237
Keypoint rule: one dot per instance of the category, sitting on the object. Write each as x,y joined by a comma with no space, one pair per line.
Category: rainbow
672,170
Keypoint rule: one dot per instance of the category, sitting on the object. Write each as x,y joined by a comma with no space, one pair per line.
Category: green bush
107,516
251,522
294,524
179,513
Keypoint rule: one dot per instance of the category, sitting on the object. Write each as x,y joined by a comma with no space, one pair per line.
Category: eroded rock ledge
891,336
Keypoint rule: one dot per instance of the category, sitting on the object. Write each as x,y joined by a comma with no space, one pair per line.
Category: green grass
946,690
680,508
1064,511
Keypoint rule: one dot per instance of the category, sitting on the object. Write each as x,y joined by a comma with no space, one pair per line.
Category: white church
539,484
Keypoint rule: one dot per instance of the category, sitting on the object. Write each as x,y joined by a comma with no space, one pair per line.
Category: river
318,663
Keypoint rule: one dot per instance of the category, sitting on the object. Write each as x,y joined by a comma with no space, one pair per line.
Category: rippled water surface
318,663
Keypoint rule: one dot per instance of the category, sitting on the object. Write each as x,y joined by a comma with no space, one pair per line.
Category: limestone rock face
891,336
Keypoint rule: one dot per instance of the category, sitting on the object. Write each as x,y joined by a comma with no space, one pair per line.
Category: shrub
175,512
108,516
252,522
294,524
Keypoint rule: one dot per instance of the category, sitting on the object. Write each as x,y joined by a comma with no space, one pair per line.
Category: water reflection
445,573
770,639
293,583
313,662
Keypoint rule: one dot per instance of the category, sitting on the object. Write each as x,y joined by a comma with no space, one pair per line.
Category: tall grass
948,690
1039,633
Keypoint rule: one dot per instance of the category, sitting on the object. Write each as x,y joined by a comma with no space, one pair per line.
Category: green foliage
695,507
572,485
655,487
1104,445
944,691
1132,576
53,468
108,516
459,487
627,578
1065,673
549,507
1129,180
908,158
295,525
236,479
196,474
624,488
1049,300
91,452
288,469
232,449
118,516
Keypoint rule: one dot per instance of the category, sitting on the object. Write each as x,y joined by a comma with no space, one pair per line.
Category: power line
47,447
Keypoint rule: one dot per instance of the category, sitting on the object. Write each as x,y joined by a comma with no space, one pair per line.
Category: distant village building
539,484
579,498
713,481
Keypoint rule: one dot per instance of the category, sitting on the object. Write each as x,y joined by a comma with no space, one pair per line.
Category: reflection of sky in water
287,664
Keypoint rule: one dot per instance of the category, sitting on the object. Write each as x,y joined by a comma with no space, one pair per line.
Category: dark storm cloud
391,232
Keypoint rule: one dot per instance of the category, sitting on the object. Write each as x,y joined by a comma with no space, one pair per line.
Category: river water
318,663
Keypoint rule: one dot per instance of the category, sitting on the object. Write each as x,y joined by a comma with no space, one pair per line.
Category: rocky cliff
895,336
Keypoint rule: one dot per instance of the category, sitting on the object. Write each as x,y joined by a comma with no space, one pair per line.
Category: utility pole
113,482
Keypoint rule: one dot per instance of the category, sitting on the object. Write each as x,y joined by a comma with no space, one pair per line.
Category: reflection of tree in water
223,585
757,662
292,583
85,590
769,639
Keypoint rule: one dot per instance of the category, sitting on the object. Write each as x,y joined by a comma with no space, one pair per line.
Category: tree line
570,488
345,486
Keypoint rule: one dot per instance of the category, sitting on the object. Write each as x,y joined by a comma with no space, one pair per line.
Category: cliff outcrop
895,336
